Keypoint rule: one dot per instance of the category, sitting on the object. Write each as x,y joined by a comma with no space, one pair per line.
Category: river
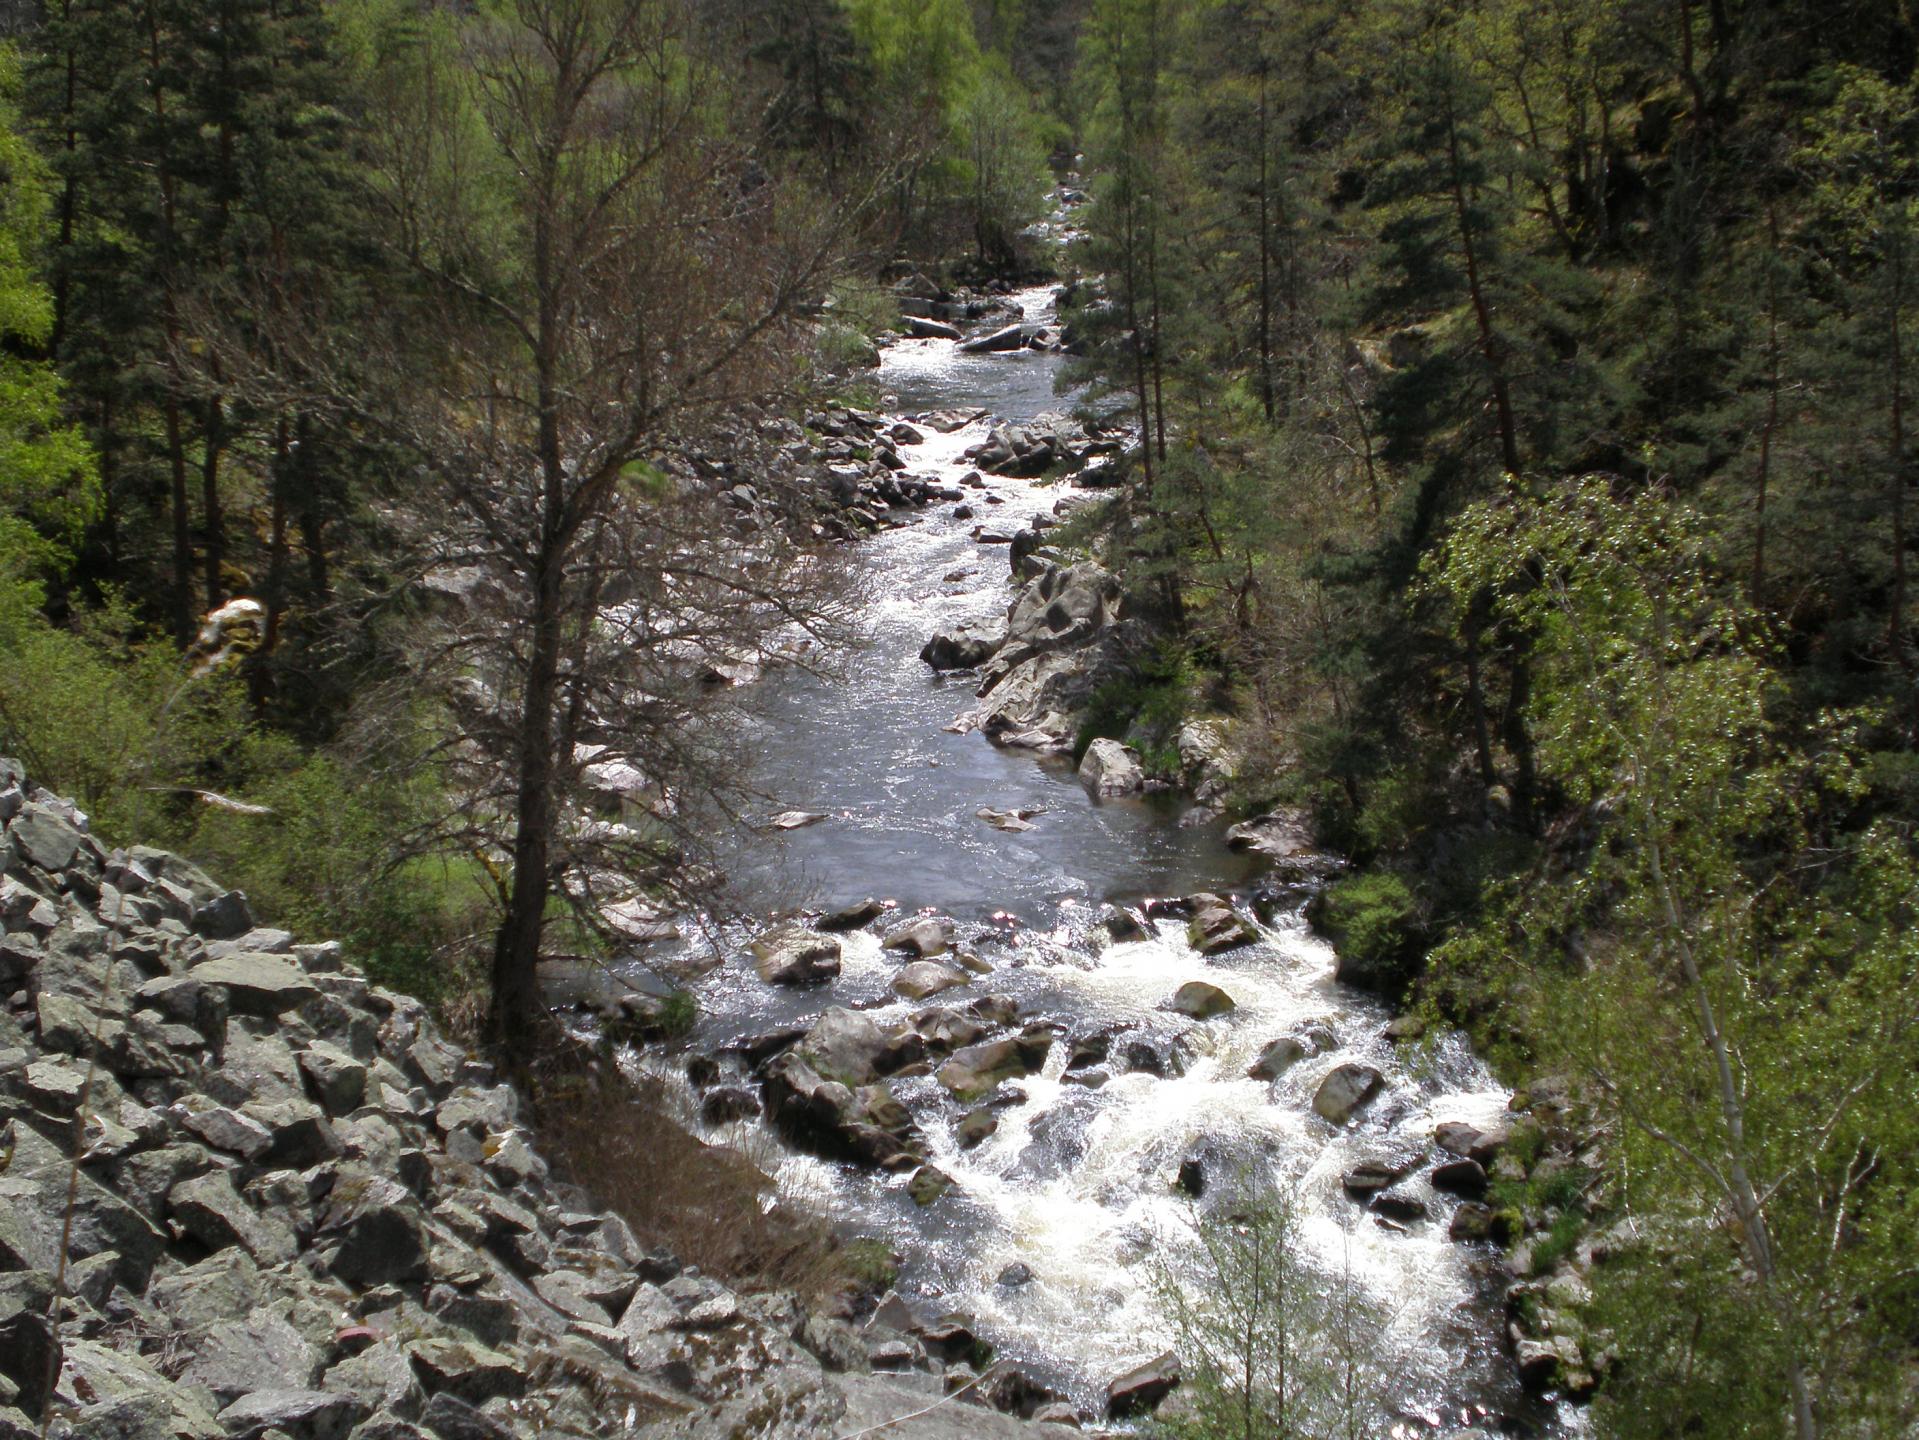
1077,1181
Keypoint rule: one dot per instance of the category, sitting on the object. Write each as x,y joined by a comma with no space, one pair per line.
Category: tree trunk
213,445
183,626
1490,345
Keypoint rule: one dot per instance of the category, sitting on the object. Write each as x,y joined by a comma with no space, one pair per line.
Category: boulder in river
1110,770
1011,337
977,1069
793,955
1345,1091
923,979
924,937
923,329
964,646
1276,1057
1200,1000
1216,927
1141,1389
853,917
1460,1177
850,1046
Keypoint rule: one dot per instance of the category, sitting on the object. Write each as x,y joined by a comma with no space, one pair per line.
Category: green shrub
1374,918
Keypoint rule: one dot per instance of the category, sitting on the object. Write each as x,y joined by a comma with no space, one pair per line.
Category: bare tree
604,269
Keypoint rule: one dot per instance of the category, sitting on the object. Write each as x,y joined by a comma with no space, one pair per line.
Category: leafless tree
605,268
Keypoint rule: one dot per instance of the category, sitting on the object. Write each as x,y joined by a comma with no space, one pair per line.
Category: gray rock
1140,1390
233,1356
1111,770
849,1046
30,1348
853,917
1345,1091
226,916
208,1208
1216,927
378,1226
977,1069
1276,1058
298,1414
793,955
338,1079
923,979
381,1378
964,646
264,985
1200,1000
45,837
924,937
472,1372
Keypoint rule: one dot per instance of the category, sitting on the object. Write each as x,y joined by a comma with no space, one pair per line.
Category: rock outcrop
249,1193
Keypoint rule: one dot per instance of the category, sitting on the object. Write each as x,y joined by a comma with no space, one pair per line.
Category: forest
1517,398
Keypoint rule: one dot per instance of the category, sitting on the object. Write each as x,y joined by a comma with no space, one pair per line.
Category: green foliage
1375,918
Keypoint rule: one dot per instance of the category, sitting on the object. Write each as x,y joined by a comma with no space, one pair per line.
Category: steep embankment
244,1192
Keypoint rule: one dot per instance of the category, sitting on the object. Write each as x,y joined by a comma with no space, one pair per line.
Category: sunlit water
1077,1182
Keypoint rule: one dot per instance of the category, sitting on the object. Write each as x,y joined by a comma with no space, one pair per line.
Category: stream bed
1077,1182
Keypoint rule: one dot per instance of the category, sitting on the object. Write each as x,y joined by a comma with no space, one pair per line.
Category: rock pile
246,1193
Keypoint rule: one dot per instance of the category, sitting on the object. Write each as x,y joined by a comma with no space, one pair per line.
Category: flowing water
1077,1182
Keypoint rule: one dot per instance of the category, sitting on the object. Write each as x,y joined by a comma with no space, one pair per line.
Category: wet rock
977,1069
793,955
975,1126
945,1030
829,1119
1122,924
928,1184
1371,1177
1460,1177
1216,927
1140,1390
1010,337
1345,1091
1111,770
1282,834
924,937
1395,1205
1471,1141
795,819
1471,1221
1014,822
1015,1275
922,329
964,646
849,1046
853,917
1276,1057
1200,1000
924,979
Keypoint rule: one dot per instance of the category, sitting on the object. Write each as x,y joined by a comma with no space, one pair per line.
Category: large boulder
793,955
1345,1091
1111,770
1010,337
923,979
1216,927
833,1120
1200,1000
258,984
1141,1389
964,646
849,1046
977,1069
1064,605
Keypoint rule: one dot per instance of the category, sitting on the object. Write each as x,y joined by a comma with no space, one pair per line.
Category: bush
1374,919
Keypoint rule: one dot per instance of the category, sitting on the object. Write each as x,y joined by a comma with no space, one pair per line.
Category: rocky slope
244,1192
